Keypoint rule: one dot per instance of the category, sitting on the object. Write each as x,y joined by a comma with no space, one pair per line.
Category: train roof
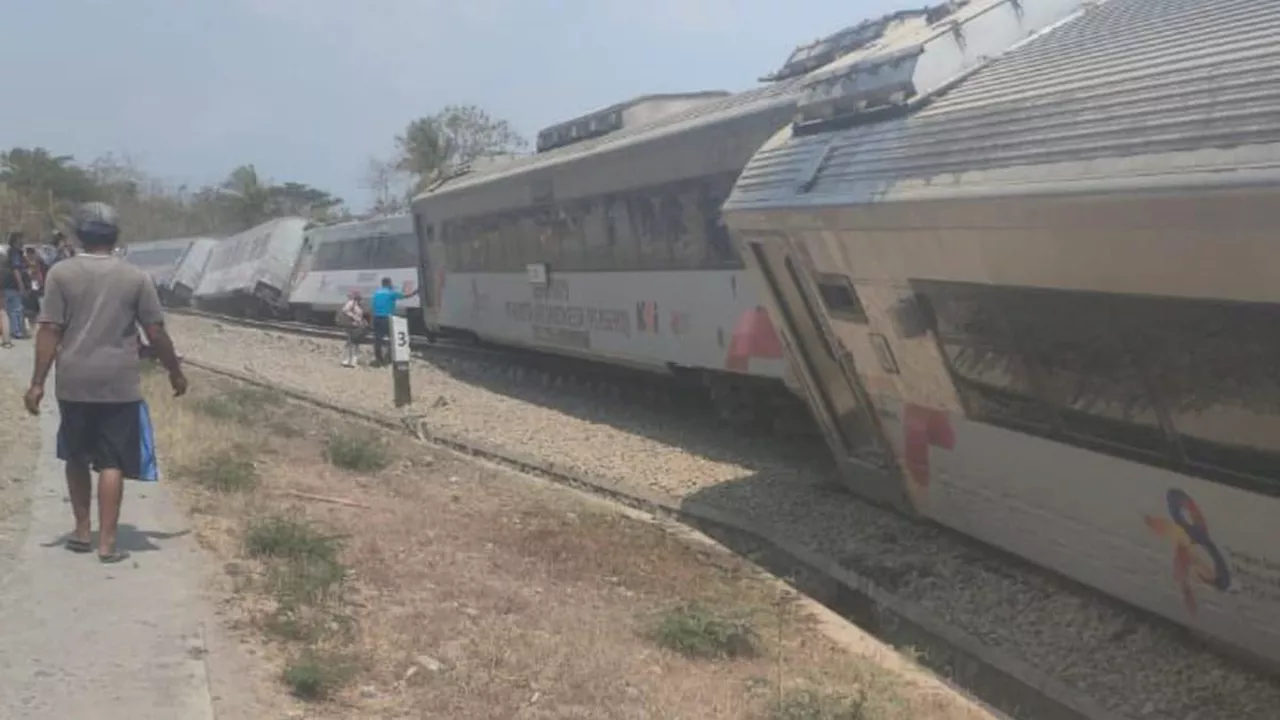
164,243
711,111
1116,94
385,225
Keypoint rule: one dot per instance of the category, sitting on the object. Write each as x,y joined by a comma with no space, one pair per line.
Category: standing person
36,272
352,319
63,247
14,284
384,306
91,304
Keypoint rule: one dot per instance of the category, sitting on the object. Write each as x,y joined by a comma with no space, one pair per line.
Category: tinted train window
1190,385
840,298
1091,354
990,374
1218,371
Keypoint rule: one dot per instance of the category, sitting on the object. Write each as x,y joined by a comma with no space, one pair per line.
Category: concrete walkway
95,642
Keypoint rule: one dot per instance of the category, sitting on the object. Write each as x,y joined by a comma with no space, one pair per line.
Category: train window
990,374
720,250
1088,352
598,235
1216,370
840,298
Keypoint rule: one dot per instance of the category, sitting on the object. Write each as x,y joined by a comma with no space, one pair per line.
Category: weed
697,632
285,536
360,451
231,470
315,675
807,704
242,405
306,580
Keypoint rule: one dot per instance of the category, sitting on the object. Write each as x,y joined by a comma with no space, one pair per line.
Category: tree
454,136
37,171
388,184
293,198
247,197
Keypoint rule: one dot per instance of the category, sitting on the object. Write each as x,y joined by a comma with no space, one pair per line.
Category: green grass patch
695,631
241,405
315,675
360,451
808,704
229,471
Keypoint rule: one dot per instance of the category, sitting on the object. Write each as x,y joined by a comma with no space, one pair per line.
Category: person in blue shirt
384,306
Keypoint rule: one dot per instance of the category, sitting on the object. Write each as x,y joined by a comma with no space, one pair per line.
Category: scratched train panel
1051,290
355,257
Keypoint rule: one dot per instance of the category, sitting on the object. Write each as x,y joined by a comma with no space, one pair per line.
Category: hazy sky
308,90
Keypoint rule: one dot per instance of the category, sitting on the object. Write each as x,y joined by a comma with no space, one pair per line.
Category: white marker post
400,360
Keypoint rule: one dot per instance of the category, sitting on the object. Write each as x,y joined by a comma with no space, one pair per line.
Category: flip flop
78,546
113,558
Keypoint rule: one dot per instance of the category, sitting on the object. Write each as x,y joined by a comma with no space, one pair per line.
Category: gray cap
97,219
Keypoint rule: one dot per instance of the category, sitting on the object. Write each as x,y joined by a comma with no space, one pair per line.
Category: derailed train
1030,288
979,230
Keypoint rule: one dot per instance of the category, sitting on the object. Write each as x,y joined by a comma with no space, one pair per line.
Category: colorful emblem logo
1196,559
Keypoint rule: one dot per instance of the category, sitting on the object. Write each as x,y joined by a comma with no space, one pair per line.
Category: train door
839,397
428,297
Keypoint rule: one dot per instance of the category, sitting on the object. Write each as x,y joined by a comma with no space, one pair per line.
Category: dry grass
461,591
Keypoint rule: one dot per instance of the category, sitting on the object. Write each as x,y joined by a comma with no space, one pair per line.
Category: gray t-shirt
98,300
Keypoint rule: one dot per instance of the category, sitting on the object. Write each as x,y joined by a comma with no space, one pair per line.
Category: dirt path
139,639
19,445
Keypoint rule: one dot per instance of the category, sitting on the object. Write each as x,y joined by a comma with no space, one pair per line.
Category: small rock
430,664
368,691
1149,708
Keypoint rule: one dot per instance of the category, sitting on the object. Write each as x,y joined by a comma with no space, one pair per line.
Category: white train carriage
159,259
355,256
186,276
608,244
1043,307
249,273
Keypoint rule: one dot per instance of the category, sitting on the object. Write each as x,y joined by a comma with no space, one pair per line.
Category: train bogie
1039,306
249,273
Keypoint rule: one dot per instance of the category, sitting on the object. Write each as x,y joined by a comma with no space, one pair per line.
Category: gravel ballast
1125,660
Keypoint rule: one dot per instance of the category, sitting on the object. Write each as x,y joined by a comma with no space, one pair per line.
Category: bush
696,632
231,470
361,451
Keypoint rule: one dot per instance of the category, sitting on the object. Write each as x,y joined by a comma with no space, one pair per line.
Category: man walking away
352,319
384,306
91,304
13,283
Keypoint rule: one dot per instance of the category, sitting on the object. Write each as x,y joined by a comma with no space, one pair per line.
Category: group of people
357,320
22,282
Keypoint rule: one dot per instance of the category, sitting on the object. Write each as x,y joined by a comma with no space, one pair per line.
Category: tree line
38,188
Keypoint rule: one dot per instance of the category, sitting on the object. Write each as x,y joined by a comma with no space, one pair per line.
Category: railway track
1021,639
650,389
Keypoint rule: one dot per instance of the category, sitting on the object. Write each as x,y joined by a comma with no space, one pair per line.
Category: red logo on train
753,337
923,428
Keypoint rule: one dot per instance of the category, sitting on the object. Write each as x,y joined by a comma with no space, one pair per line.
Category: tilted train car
355,256
1051,283
186,276
249,273
608,243
160,259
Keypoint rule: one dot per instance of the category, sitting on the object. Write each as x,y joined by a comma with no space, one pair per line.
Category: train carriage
160,259
608,243
355,256
1029,289
186,276
249,273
